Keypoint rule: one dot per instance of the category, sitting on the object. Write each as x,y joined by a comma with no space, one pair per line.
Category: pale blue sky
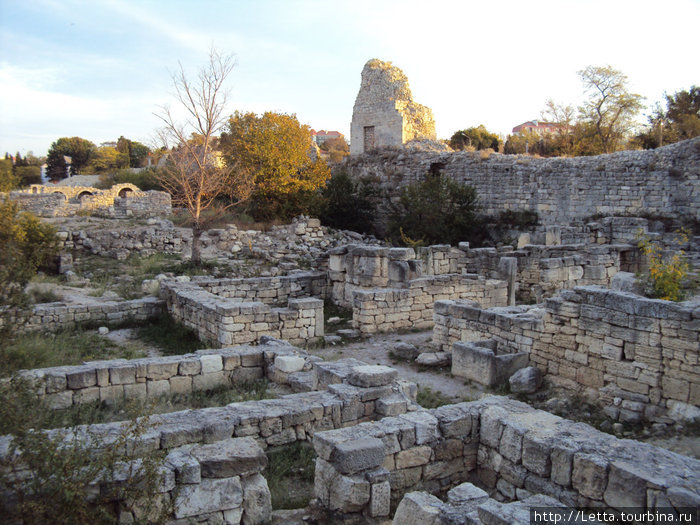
99,68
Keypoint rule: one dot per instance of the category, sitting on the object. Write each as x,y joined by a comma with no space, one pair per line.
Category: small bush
428,398
349,204
668,274
171,337
27,245
436,210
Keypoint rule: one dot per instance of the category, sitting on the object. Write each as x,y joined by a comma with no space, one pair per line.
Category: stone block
257,503
181,385
135,391
122,375
211,364
425,424
81,379
209,381
357,455
157,388
589,475
526,380
211,495
60,400
372,375
380,499
466,493
230,457
349,493
418,508
626,486
161,370
392,405
289,363
413,457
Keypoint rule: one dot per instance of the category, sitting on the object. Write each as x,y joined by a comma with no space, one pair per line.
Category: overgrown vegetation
349,204
290,475
171,337
668,276
429,398
63,464
145,179
68,347
27,245
435,210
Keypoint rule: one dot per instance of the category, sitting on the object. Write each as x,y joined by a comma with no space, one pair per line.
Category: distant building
319,137
537,126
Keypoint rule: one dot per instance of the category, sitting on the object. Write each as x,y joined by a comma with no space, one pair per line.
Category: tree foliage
8,179
78,149
274,147
608,113
108,158
349,204
679,121
476,137
436,210
195,174
337,149
27,244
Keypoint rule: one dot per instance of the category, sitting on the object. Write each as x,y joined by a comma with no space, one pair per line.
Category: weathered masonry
385,113
636,357
664,181
120,201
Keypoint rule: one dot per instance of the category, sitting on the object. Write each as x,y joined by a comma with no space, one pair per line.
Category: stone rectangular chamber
488,362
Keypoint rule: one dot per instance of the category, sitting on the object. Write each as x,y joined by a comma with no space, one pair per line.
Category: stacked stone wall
390,309
509,448
664,181
232,321
635,357
53,317
268,290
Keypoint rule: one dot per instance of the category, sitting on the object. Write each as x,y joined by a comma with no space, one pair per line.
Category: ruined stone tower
384,112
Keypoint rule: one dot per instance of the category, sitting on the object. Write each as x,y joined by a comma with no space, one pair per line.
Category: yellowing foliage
668,273
275,147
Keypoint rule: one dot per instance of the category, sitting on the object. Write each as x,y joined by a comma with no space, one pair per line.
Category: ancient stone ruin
120,201
385,113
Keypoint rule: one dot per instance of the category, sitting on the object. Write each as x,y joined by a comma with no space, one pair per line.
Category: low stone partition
233,321
268,290
52,317
513,327
508,448
385,310
488,363
634,356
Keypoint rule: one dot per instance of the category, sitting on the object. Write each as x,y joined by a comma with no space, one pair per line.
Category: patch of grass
40,296
171,337
428,398
68,347
290,475
20,407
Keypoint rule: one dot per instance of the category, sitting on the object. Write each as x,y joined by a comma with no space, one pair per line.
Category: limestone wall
52,317
664,181
636,357
390,309
268,290
513,450
232,321
120,201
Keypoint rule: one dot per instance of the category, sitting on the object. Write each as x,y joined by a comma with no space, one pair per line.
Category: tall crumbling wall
664,181
385,113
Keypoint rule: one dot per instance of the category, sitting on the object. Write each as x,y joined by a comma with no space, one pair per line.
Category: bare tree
195,174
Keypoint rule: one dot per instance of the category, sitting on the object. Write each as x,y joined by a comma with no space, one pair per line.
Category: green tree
78,149
477,138
194,174
275,147
107,158
349,204
436,210
28,175
27,244
679,121
137,154
8,179
608,114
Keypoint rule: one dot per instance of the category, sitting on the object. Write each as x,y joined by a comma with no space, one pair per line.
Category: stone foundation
634,356
508,448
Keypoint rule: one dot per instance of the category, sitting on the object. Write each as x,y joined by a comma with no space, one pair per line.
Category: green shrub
668,274
349,204
428,398
435,211
27,245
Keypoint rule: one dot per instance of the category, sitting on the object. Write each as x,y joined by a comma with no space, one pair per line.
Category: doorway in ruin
369,138
125,192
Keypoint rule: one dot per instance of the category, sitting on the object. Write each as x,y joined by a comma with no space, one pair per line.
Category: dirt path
376,350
